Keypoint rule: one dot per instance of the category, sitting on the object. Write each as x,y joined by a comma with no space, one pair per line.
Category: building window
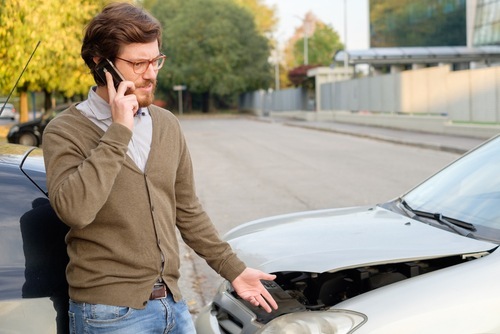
487,23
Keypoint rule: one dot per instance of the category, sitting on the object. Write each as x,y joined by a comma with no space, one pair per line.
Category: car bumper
206,322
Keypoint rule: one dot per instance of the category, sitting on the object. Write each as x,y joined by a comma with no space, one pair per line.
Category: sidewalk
448,143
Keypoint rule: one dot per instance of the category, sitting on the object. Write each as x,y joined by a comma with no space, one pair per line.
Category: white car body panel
8,111
333,240
468,302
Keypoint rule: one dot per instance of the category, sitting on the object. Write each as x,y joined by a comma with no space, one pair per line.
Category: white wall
468,95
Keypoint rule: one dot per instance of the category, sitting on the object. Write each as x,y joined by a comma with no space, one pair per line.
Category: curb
436,147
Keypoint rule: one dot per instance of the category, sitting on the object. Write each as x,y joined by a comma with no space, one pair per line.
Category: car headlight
331,321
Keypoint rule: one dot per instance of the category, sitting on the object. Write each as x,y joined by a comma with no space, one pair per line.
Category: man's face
145,83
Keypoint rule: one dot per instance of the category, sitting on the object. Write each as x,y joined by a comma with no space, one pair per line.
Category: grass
476,123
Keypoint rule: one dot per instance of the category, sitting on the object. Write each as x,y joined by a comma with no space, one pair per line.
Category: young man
119,174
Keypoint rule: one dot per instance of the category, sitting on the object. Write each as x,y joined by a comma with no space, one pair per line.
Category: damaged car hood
332,240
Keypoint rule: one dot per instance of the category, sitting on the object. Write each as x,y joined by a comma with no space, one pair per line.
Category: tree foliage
298,75
322,45
265,17
56,65
213,47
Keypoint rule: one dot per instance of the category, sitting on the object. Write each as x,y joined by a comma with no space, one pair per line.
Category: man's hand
123,105
249,287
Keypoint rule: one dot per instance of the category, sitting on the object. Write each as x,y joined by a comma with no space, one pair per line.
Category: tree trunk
23,106
205,102
47,104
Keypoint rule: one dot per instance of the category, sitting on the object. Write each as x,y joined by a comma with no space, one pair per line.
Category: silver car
426,262
8,111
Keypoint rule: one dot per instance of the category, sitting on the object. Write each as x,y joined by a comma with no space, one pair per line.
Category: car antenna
19,78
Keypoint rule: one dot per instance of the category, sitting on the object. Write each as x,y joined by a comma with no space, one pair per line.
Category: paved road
248,169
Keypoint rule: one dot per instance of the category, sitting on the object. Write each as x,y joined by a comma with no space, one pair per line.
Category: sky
291,12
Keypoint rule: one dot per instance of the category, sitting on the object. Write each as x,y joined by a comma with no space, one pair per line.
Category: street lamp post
345,34
179,89
306,46
277,71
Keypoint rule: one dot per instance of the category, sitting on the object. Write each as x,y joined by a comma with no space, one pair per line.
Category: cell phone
107,66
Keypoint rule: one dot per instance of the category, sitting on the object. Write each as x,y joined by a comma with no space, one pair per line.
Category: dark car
33,287
30,133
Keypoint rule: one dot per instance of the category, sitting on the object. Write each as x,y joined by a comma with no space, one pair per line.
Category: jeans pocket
107,313
72,322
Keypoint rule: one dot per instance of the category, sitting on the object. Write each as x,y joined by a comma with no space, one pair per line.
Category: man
119,174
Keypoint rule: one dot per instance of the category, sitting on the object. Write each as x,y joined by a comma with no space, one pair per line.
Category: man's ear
96,60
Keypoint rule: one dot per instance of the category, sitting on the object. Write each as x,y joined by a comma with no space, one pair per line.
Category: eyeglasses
140,67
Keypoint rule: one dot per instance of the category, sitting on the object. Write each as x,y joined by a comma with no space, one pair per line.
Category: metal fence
262,102
466,95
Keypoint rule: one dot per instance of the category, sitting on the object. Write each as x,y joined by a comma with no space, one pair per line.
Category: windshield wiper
449,222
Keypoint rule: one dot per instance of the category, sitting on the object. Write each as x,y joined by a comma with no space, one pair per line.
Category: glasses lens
159,62
141,67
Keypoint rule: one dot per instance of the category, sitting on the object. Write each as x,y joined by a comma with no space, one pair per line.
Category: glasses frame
150,62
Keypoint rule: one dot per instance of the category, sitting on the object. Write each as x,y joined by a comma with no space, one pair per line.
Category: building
410,23
483,22
409,34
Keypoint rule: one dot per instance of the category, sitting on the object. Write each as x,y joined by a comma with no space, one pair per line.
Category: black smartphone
107,66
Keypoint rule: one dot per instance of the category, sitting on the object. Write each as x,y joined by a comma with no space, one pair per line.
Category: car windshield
468,190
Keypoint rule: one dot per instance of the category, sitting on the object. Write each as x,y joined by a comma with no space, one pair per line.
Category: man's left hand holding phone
123,103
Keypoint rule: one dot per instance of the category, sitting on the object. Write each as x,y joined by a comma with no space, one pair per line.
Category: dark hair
117,25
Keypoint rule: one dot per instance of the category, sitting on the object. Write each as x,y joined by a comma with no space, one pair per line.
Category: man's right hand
123,106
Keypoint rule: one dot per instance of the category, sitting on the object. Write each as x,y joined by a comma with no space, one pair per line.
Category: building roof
415,55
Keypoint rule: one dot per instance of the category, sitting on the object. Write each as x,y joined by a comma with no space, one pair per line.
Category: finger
110,86
269,299
265,293
268,277
125,88
262,303
253,301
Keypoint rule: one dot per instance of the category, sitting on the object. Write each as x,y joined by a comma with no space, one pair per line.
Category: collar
100,108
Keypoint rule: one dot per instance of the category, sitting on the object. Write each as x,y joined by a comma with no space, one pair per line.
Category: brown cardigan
123,221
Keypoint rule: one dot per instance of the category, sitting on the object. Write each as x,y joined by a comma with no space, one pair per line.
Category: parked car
30,133
425,262
33,287
8,111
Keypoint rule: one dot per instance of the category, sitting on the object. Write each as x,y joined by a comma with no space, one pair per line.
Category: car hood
36,121
333,240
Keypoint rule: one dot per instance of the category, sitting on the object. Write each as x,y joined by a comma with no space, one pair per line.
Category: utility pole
306,44
277,69
345,34
179,89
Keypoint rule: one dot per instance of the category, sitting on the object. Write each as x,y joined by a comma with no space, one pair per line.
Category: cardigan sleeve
79,177
195,226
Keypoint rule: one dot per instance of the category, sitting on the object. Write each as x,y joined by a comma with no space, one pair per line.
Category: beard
147,100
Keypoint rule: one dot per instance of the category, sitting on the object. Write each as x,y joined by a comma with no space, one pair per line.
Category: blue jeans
159,316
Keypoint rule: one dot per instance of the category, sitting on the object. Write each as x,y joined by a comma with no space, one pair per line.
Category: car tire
28,139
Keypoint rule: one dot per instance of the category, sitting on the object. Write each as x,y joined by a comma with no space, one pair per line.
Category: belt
159,291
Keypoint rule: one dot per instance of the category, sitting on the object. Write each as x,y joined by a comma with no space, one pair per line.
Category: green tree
264,16
322,45
213,48
56,65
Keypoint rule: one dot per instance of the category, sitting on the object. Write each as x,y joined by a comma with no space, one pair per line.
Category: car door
33,288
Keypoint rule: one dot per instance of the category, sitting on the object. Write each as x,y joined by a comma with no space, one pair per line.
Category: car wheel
28,139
